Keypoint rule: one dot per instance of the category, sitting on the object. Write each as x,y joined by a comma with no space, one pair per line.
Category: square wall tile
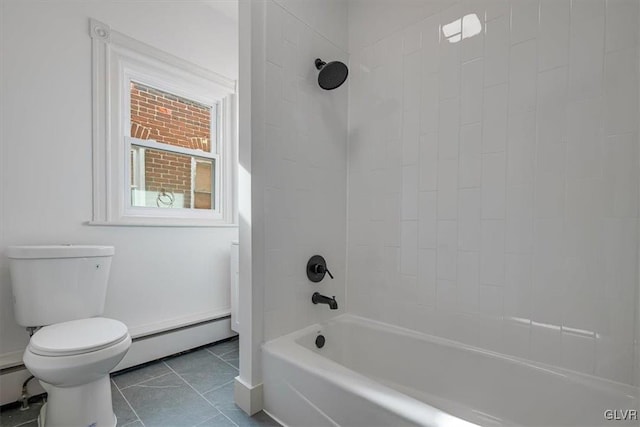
427,224
492,252
521,149
447,250
546,344
412,39
471,92
446,296
517,338
496,8
519,221
620,176
468,281
523,65
496,51
429,104
448,189
621,88
622,24
494,121
553,37
448,129
274,37
470,171
429,162
587,49
493,185
411,79
491,300
409,248
410,192
469,217
449,57
427,277
524,20
517,289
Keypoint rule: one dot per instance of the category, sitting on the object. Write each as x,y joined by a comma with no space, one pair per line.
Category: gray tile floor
190,389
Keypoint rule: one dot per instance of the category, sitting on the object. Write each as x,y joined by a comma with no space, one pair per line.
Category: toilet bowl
72,360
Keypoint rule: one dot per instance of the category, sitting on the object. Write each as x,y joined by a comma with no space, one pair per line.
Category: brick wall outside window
177,121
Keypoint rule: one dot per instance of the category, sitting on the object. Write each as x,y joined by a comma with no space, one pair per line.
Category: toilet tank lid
59,251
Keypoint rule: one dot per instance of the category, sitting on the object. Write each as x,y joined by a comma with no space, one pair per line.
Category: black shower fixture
332,74
317,268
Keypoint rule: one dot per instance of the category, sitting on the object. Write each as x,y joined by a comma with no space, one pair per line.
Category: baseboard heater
148,345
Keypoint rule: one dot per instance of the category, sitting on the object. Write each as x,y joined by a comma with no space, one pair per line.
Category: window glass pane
164,179
170,119
203,185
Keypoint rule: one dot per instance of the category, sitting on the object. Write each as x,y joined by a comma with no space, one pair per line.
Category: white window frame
118,60
138,179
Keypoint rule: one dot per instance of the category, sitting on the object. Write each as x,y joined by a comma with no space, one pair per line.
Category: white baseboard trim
9,360
154,328
11,385
143,349
156,346
248,398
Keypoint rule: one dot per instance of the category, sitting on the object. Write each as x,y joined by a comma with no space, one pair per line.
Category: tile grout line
141,382
218,387
200,394
128,403
228,352
214,417
223,360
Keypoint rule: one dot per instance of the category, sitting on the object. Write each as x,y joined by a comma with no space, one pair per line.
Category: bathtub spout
316,298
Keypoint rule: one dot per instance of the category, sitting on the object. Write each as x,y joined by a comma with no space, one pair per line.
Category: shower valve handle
321,269
317,268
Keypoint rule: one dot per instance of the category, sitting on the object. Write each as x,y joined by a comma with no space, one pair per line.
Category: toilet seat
77,337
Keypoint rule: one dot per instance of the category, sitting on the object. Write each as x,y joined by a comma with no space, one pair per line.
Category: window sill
166,223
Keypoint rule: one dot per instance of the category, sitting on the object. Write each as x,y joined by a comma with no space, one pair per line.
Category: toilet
59,291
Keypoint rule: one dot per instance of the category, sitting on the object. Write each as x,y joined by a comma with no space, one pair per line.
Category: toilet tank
53,284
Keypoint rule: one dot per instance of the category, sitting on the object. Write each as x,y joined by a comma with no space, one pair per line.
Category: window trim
118,59
138,180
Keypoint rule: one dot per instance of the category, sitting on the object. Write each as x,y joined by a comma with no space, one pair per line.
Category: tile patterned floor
190,389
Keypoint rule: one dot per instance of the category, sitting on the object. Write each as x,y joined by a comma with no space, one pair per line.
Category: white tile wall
493,190
305,165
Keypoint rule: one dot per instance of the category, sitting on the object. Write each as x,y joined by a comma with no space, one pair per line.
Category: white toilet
62,289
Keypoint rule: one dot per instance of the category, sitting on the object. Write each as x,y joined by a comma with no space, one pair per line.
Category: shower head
332,74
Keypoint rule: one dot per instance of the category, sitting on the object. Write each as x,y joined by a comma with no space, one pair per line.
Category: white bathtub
372,374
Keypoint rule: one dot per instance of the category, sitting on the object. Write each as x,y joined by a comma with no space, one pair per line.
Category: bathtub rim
413,410
289,348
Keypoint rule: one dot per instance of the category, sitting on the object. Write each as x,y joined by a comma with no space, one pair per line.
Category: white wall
293,151
305,163
158,273
493,183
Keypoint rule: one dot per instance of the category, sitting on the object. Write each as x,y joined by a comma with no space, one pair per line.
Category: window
164,133
173,145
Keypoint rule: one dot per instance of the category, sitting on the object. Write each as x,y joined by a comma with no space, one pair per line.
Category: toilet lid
77,336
